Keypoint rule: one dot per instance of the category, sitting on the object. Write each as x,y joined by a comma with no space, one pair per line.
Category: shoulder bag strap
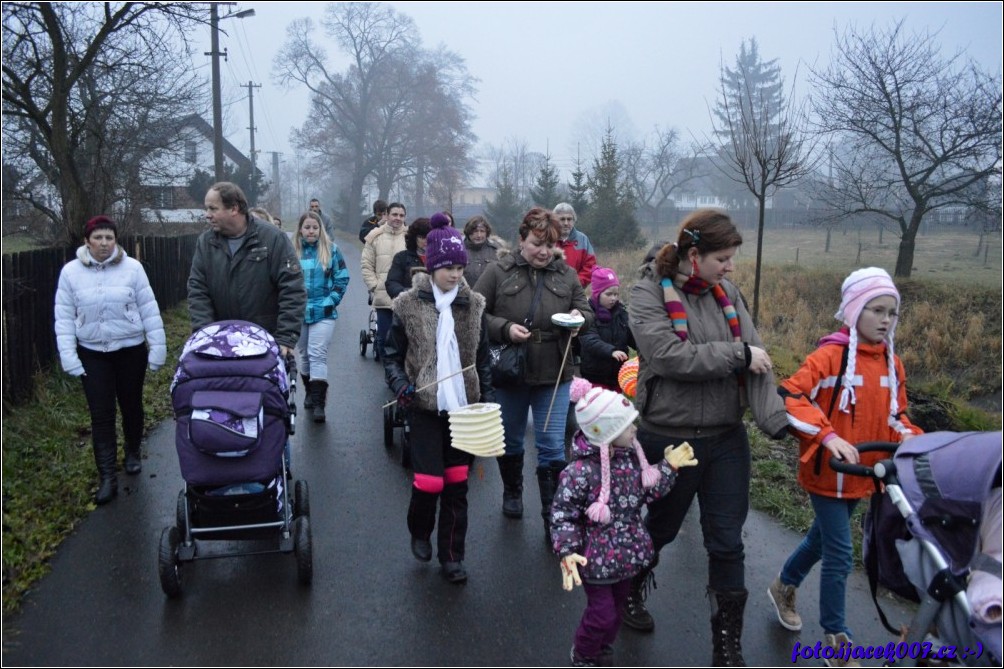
536,300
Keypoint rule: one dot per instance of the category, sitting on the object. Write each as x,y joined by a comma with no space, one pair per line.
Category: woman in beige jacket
378,254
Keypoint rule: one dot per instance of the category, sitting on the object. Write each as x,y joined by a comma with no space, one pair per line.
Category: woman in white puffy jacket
106,314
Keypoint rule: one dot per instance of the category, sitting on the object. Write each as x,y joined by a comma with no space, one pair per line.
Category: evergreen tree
610,221
753,90
545,189
578,190
506,210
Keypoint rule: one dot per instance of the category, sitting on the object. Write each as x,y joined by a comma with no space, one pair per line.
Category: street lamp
214,22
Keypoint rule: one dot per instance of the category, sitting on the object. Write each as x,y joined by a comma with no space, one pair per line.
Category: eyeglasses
881,313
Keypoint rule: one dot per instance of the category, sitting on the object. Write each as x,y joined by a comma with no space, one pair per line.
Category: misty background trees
894,130
761,139
397,113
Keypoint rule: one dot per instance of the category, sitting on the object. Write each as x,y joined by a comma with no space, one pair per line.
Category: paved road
370,603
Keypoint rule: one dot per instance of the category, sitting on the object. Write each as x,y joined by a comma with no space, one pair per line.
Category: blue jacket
325,285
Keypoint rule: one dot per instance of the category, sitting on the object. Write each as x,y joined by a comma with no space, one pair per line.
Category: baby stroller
233,402
367,337
396,418
923,541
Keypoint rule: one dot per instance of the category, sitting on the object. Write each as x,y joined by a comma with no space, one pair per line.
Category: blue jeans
721,483
385,317
516,401
829,540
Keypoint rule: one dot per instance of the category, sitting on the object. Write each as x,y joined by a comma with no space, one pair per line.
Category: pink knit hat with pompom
602,416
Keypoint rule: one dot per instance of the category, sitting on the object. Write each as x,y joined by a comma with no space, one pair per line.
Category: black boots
511,469
318,397
727,627
547,480
104,458
308,400
634,614
132,463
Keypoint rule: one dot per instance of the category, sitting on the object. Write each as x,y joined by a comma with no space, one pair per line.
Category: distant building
169,173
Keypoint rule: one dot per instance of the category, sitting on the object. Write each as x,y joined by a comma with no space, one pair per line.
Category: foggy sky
554,73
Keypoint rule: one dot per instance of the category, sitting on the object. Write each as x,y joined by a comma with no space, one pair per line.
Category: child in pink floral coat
596,522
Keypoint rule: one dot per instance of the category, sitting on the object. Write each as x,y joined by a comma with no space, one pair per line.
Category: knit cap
603,278
602,416
99,222
858,289
444,244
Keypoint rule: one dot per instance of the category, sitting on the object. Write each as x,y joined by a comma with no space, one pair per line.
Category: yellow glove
681,456
569,572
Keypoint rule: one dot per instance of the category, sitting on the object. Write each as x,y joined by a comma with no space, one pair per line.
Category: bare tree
89,91
915,131
396,112
658,169
761,139
520,164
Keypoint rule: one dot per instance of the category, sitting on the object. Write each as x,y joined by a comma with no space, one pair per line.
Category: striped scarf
695,286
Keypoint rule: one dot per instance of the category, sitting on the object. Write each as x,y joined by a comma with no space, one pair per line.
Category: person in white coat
108,331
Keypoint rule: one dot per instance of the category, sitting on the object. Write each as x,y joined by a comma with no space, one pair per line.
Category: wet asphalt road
370,602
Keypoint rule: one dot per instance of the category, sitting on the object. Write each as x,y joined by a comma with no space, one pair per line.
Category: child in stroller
937,530
232,401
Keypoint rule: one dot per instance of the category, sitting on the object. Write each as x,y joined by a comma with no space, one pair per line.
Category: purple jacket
621,548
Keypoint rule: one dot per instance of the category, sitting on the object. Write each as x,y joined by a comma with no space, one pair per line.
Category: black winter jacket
599,343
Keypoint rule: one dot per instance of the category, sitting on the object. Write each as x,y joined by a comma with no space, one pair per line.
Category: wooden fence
29,291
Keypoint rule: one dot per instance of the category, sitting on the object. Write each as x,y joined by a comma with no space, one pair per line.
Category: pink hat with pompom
602,416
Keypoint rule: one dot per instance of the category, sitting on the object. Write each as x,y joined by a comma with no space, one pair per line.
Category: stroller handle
889,447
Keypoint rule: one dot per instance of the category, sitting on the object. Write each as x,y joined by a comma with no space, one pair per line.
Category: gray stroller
923,541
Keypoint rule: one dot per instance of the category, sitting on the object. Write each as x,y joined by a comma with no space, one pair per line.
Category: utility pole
214,25
252,180
276,185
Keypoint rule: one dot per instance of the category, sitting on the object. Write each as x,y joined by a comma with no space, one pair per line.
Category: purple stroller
232,403
939,488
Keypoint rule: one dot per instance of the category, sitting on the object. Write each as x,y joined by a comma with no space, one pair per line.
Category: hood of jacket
84,256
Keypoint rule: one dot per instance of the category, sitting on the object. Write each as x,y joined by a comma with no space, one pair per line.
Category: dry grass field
949,335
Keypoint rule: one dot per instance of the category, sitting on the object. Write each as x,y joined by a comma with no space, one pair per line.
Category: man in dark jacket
245,269
329,227
374,221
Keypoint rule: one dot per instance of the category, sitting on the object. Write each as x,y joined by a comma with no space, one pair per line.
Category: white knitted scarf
450,393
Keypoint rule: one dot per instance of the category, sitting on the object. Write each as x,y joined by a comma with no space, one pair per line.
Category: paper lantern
627,377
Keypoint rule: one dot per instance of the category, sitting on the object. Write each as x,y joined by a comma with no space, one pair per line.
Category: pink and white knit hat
602,416
858,289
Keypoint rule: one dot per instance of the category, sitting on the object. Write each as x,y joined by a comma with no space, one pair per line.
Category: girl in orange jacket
849,390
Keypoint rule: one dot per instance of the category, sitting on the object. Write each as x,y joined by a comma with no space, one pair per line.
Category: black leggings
110,376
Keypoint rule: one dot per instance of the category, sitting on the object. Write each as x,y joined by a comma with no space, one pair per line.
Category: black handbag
508,360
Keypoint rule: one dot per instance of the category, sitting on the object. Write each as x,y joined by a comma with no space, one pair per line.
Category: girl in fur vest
596,515
438,330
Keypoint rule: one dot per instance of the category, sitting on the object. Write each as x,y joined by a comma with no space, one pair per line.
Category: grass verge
49,477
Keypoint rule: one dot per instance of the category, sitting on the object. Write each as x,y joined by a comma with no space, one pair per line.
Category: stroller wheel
181,515
168,563
405,452
388,426
301,500
303,547
363,342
